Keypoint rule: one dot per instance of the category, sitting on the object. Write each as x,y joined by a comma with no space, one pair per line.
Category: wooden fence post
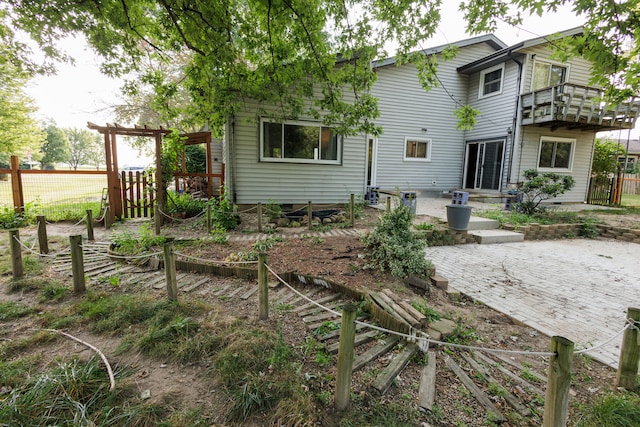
310,215
170,270
556,403
259,217
263,287
627,376
345,356
352,211
388,203
209,218
77,263
16,185
43,242
16,254
90,225
156,219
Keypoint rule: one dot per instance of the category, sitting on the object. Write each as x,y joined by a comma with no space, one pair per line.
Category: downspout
515,127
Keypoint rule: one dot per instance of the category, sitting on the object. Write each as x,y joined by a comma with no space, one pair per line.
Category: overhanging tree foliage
304,56
605,156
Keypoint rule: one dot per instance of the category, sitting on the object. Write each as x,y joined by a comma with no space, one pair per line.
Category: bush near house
542,186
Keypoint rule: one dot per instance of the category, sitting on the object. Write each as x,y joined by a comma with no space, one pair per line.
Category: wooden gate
605,190
138,194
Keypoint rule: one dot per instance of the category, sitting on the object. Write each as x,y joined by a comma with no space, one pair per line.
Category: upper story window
556,154
417,149
546,74
299,142
491,81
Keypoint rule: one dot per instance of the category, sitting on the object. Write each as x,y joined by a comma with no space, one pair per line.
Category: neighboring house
632,161
535,113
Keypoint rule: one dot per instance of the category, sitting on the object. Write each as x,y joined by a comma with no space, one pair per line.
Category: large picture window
491,81
546,74
303,142
556,153
417,149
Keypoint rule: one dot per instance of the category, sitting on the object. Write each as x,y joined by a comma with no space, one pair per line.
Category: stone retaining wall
546,231
625,234
443,236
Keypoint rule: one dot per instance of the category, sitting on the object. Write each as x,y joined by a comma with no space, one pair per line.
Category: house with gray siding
535,113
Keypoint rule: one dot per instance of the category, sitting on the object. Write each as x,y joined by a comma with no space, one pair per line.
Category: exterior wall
407,109
252,181
581,166
497,113
579,69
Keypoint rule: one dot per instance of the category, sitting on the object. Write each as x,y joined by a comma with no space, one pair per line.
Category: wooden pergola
111,131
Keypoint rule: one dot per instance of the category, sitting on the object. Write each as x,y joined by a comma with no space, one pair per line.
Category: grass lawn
631,200
51,194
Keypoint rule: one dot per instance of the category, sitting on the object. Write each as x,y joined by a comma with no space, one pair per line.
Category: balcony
572,106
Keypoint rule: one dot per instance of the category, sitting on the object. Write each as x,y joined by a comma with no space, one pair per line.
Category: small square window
417,149
491,81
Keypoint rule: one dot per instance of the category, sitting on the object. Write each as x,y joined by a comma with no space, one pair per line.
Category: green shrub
394,247
9,219
184,203
542,186
223,214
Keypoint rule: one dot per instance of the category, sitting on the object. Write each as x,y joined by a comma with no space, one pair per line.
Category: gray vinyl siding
257,181
497,113
581,166
406,109
579,69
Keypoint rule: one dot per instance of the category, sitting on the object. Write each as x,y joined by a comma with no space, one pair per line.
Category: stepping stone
446,327
385,379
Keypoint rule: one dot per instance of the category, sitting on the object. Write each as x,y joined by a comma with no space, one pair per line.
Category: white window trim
262,157
556,139
548,62
417,159
482,82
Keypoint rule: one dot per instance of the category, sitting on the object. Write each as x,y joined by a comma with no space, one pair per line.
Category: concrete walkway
579,289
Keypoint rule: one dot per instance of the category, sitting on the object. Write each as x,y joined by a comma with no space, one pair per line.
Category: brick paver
579,289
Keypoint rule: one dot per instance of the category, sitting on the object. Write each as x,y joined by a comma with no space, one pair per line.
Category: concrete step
485,237
478,223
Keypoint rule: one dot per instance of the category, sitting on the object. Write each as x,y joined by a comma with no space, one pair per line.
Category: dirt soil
341,259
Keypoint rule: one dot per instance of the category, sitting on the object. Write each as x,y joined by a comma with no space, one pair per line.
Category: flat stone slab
486,237
479,223
446,327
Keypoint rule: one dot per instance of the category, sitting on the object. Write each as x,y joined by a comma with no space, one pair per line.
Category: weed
15,310
219,236
53,292
128,244
284,307
463,334
589,229
423,308
273,210
314,240
381,414
358,206
326,327
322,358
423,226
325,397
612,409
497,390
526,374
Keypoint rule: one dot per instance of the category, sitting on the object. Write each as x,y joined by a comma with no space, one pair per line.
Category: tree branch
174,19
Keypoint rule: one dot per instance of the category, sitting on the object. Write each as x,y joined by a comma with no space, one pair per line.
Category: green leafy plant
394,247
10,219
612,409
273,210
358,206
425,309
184,204
223,214
542,186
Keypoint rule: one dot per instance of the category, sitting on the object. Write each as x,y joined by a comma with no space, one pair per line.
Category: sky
80,93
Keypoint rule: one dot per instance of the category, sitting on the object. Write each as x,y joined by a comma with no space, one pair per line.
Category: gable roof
490,39
511,51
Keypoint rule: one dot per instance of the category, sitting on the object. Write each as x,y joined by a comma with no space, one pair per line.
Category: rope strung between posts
170,217
213,261
254,208
104,214
630,325
424,340
125,257
37,253
81,220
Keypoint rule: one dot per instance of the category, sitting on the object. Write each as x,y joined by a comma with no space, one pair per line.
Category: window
302,142
491,81
417,149
555,153
546,74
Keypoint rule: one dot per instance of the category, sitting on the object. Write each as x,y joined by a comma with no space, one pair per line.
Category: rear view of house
535,113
